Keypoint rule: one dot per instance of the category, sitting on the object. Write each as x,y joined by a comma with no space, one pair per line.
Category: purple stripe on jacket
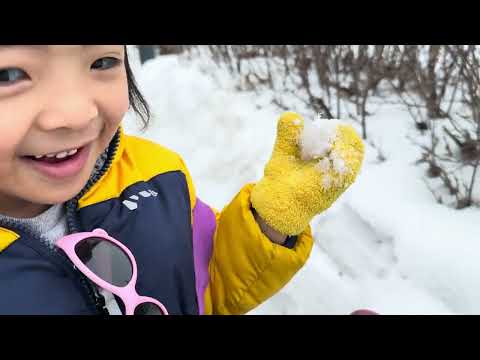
204,225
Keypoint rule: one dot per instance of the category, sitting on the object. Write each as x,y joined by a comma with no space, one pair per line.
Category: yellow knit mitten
298,185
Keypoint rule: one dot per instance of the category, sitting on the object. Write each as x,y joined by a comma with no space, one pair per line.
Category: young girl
66,166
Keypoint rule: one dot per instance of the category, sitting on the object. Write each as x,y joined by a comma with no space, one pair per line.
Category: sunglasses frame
131,299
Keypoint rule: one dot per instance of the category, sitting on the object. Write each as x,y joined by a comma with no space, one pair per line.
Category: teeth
61,155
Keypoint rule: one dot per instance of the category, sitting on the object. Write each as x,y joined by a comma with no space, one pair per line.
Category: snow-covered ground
385,245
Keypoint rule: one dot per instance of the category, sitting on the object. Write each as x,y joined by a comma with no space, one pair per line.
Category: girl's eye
105,63
11,76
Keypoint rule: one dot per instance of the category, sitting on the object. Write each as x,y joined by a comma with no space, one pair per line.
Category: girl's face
59,108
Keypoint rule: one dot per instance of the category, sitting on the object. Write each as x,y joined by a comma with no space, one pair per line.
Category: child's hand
297,186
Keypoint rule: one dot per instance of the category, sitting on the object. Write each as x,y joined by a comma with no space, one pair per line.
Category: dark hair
137,101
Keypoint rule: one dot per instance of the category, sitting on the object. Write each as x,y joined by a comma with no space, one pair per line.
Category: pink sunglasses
111,266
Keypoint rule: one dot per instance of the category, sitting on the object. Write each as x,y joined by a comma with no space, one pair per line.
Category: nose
72,110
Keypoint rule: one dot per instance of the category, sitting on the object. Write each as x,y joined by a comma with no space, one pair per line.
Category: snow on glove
312,164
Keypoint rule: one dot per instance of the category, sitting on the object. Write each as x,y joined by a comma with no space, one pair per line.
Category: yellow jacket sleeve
247,268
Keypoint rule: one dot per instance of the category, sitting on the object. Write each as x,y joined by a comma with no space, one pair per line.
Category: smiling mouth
60,156
62,165
56,157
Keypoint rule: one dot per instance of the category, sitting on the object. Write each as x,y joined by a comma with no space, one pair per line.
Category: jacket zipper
73,226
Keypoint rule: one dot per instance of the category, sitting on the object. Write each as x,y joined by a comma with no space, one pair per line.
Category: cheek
15,122
116,104
7,145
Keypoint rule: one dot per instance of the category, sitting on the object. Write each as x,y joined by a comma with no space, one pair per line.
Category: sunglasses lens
106,260
148,309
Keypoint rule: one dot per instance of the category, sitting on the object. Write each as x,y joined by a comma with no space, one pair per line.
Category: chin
68,189
59,197
60,194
